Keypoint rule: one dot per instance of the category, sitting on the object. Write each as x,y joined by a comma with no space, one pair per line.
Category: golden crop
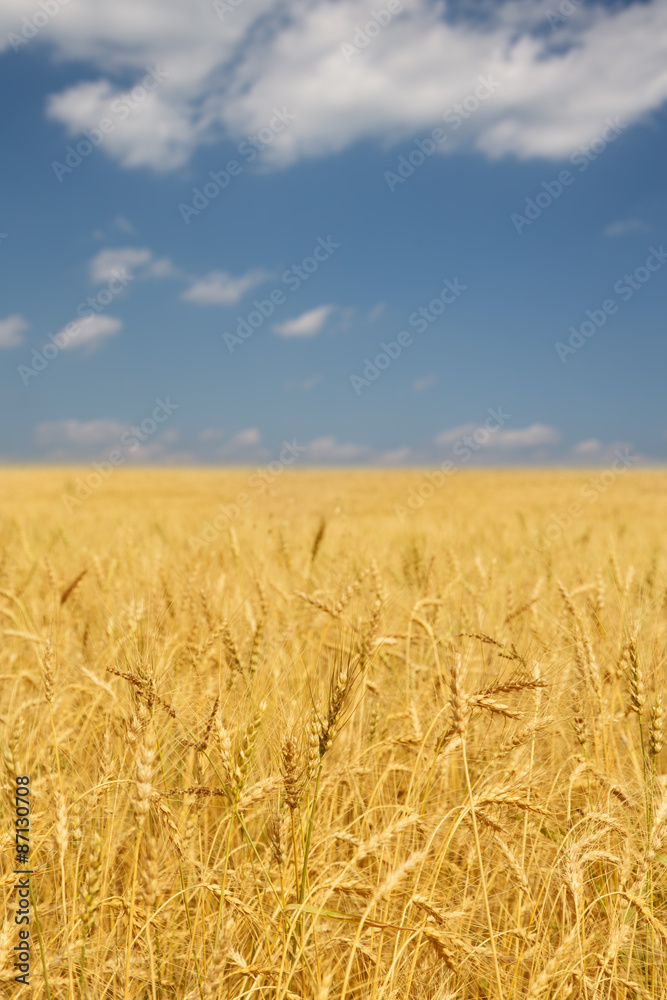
337,751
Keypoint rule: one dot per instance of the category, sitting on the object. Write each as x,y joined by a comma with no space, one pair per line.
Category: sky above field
392,234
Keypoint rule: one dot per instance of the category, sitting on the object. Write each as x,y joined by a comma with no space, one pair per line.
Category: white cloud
625,226
219,288
524,437
156,133
395,456
556,89
519,439
308,324
91,330
595,452
376,312
426,382
133,261
249,436
121,223
76,440
244,446
11,331
105,265
211,434
125,226
78,433
328,449
163,267
306,384
449,437
591,446
215,288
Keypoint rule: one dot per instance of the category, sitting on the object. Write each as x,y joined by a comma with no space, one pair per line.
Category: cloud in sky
376,312
91,331
249,436
244,446
11,331
83,440
394,456
592,451
228,77
420,384
84,434
106,262
163,267
138,262
308,324
502,439
74,440
625,226
525,437
219,288
123,224
154,132
591,446
328,449
211,434
306,383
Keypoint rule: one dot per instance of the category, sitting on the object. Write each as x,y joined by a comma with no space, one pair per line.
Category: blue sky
369,159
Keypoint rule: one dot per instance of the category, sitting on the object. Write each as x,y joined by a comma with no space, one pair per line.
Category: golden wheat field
336,750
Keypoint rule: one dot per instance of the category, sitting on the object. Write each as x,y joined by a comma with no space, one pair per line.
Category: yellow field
300,740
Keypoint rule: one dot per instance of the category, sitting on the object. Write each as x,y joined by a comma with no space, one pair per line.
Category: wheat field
337,748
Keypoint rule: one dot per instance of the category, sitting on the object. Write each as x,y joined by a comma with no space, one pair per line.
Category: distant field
331,734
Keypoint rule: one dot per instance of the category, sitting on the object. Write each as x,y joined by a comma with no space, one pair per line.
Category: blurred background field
513,507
